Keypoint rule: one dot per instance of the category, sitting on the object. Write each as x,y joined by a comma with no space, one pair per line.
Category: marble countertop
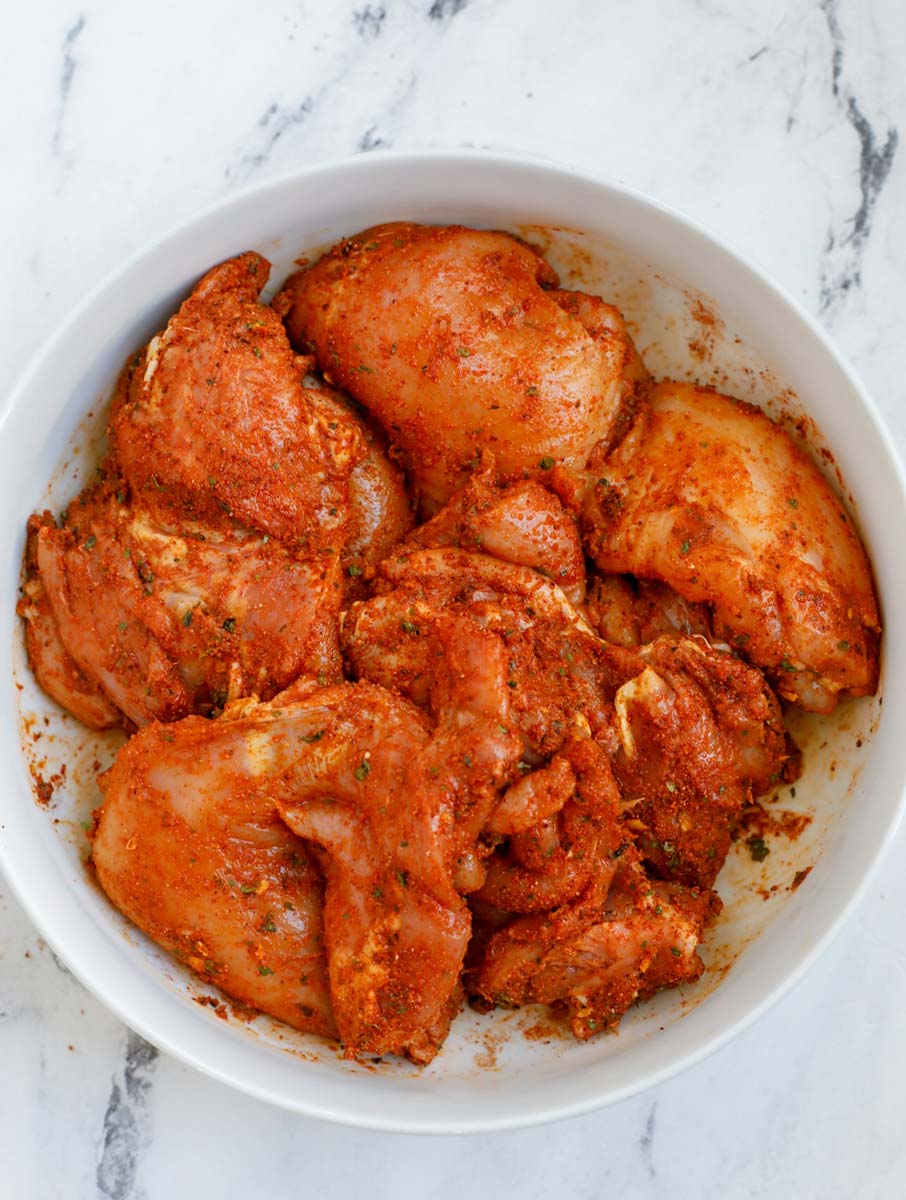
773,123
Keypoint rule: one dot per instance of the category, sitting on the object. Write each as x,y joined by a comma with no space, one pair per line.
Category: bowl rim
371,1118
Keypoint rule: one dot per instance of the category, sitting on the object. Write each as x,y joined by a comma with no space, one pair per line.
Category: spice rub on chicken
377,763
210,560
709,496
459,341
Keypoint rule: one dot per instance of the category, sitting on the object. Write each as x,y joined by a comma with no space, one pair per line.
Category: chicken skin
458,341
709,496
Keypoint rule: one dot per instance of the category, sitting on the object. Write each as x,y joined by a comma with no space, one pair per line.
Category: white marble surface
775,124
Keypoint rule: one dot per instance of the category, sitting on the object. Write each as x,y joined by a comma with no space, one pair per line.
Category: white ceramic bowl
501,1070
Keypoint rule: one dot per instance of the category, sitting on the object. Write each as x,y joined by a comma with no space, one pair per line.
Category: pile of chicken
378,764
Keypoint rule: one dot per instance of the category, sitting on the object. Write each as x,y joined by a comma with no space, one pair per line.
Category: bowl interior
697,313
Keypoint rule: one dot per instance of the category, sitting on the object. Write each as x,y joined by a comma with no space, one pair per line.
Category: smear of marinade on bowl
451,645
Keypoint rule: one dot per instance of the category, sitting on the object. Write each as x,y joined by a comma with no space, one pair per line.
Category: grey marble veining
841,267
125,1134
778,125
67,73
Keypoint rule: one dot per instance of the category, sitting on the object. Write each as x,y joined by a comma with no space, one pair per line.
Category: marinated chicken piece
170,620
562,829
693,731
379,510
289,459
604,324
240,506
104,607
55,669
221,421
455,341
189,845
250,618
397,927
700,733
535,782
519,522
631,612
620,941
709,496
559,676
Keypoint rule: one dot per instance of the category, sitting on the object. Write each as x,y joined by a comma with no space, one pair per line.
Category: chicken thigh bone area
378,764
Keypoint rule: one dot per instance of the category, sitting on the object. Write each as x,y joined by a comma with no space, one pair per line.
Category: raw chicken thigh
190,846
503,753
709,496
458,342
234,511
